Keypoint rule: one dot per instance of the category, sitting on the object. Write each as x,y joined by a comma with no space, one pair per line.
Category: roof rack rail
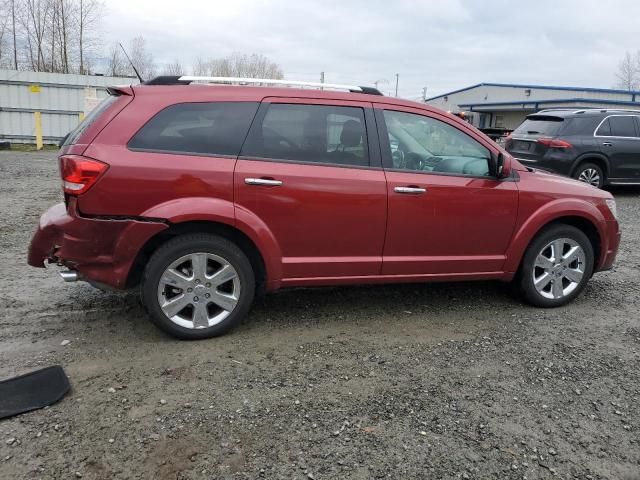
270,81
586,109
560,109
187,79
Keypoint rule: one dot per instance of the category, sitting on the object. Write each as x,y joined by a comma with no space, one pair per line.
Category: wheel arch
586,218
592,157
241,239
217,216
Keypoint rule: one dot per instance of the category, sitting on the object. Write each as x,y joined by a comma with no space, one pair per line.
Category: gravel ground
410,381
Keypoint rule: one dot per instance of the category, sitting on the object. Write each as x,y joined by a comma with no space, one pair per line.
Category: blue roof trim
459,90
559,100
539,87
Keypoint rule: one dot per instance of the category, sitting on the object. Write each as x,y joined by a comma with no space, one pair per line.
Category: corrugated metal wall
61,98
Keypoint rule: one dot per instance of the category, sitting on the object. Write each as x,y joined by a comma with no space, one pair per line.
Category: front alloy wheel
556,266
559,268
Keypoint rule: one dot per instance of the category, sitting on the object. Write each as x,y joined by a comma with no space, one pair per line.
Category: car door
619,139
446,213
307,171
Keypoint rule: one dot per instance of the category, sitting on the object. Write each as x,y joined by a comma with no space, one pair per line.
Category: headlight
611,203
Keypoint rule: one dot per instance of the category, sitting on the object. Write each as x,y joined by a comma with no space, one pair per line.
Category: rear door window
310,133
197,128
622,126
540,125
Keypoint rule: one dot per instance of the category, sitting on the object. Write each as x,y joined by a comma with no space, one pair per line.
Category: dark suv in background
599,147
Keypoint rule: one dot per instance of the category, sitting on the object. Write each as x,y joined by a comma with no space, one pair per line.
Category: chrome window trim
615,136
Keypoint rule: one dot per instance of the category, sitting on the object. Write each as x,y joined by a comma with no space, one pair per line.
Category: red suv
202,195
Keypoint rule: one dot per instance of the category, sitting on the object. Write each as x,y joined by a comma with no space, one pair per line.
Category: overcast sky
443,45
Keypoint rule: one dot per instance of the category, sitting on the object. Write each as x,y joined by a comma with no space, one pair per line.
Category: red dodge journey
201,194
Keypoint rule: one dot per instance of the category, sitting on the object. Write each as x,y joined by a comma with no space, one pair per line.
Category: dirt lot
414,381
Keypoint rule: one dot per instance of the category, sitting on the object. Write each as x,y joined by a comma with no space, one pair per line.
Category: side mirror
500,165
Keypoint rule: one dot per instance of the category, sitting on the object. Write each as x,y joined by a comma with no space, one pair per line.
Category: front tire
198,286
556,266
590,173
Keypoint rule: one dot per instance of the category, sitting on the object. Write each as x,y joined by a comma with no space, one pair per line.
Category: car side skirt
382,279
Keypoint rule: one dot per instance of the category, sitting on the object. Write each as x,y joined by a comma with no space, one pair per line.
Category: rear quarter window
580,126
89,120
197,128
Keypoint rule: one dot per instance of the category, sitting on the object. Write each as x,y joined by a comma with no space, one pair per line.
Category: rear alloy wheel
198,286
590,173
556,266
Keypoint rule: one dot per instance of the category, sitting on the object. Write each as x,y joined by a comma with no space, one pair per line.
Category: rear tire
556,266
590,173
198,286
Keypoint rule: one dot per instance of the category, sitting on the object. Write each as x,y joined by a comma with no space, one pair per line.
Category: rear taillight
79,173
554,142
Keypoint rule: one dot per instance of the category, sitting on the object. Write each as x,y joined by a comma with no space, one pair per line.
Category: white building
62,100
504,106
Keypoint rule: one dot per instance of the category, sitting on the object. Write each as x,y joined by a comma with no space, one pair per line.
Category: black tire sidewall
581,168
542,239
184,245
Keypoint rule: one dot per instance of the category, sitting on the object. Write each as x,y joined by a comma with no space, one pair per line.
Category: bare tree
117,64
239,65
200,67
13,34
50,35
4,28
88,14
141,58
64,12
34,21
174,68
628,74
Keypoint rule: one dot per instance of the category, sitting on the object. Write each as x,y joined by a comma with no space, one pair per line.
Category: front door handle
411,190
270,182
607,144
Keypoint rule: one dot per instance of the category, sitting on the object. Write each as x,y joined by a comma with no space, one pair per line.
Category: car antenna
132,65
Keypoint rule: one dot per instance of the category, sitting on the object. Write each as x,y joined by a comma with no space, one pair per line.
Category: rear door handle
607,144
411,190
263,181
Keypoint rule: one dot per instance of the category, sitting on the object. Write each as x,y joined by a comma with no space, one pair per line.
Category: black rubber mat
32,391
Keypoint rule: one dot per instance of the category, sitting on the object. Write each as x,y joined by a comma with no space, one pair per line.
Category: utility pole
321,79
377,82
397,77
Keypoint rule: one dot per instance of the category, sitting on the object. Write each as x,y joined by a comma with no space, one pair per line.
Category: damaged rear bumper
100,250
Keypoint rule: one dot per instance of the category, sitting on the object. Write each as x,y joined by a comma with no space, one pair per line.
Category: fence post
38,120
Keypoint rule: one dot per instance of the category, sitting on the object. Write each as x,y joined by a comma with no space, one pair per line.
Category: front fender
549,213
217,210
